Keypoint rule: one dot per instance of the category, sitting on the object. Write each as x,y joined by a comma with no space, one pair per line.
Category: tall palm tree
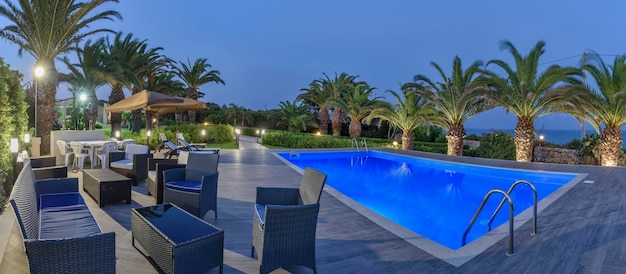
458,97
337,86
47,29
86,76
318,97
357,105
528,93
144,63
118,53
409,113
606,105
294,115
195,76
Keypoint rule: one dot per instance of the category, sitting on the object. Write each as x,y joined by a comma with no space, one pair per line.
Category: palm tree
118,53
143,63
607,105
318,97
46,30
195,76
530,94
409,113
336,87
357,105
86,76
458,97
295,115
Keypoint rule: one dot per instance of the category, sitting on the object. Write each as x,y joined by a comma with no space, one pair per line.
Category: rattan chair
285,222
155,173
193,188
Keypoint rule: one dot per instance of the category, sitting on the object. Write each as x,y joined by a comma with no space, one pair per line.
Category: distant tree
47,29
530,94
336,87
458,97
319,97
407,114
357,105
606,105
195,75
294,115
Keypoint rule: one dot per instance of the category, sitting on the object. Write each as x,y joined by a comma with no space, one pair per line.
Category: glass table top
176,224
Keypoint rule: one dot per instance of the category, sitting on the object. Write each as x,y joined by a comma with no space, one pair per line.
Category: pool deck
584,231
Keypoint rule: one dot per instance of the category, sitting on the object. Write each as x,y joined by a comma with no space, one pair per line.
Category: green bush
287,139
498,145
98,125
441,148
220,133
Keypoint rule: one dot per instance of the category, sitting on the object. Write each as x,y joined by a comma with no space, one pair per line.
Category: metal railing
365,144
509,193
480,208
355,144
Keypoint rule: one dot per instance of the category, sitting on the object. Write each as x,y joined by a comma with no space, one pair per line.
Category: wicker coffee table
177,241
105,185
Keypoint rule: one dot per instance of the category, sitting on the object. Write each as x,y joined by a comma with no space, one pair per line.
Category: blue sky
267,51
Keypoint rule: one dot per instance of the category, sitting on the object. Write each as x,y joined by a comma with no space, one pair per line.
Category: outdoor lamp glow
203,132
318,133
117,134
262,131
257,132
39,71
237,131
206,123
14,145
27,138
148,133
541,137
395,143
83,97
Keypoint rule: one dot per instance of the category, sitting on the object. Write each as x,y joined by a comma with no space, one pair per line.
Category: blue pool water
435,199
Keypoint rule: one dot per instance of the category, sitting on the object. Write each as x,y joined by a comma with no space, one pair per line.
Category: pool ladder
507,198
355,144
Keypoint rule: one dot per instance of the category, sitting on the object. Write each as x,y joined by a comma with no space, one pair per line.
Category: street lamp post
38,73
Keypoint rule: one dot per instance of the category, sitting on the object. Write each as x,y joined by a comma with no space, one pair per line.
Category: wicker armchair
285,222
193,188
155,173
132,163
45,167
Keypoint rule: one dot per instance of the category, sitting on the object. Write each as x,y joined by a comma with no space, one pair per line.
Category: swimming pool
435,199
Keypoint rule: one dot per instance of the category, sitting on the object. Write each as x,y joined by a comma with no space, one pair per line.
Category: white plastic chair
103,153
63,147
79,155
126,142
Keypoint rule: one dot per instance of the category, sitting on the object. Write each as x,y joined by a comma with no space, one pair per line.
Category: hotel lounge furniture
193,188
80,154
44,167
192,147
105,185
45,209
102,154
285,222
132,163
177,241
65,150
180,136
155,173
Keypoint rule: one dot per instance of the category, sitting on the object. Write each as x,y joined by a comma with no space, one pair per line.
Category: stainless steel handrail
355,143
365,144
480,208
509,193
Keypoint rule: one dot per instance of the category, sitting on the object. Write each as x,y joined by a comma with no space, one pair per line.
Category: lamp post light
14,149
395,144
117,134
38,73
541,139
148,134
237,132
257,135
262,133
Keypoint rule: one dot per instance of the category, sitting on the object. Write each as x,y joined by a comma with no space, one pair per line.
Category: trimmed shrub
498,145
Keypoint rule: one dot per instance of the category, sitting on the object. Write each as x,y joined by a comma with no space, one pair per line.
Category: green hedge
192,133
287,139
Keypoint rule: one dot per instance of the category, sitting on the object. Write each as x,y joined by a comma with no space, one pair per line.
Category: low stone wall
557,156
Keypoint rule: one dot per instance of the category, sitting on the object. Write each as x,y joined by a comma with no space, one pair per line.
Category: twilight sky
267,51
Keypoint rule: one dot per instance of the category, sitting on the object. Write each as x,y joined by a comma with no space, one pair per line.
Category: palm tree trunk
323,113
136,115
336,122
355,128
46,94
193,94
408,139
455,138
117,94
524,140
610,146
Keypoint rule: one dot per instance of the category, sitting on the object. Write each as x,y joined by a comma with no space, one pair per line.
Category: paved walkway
584,231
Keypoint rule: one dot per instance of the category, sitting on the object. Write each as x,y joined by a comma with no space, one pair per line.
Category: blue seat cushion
187,185
260,211
65,215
